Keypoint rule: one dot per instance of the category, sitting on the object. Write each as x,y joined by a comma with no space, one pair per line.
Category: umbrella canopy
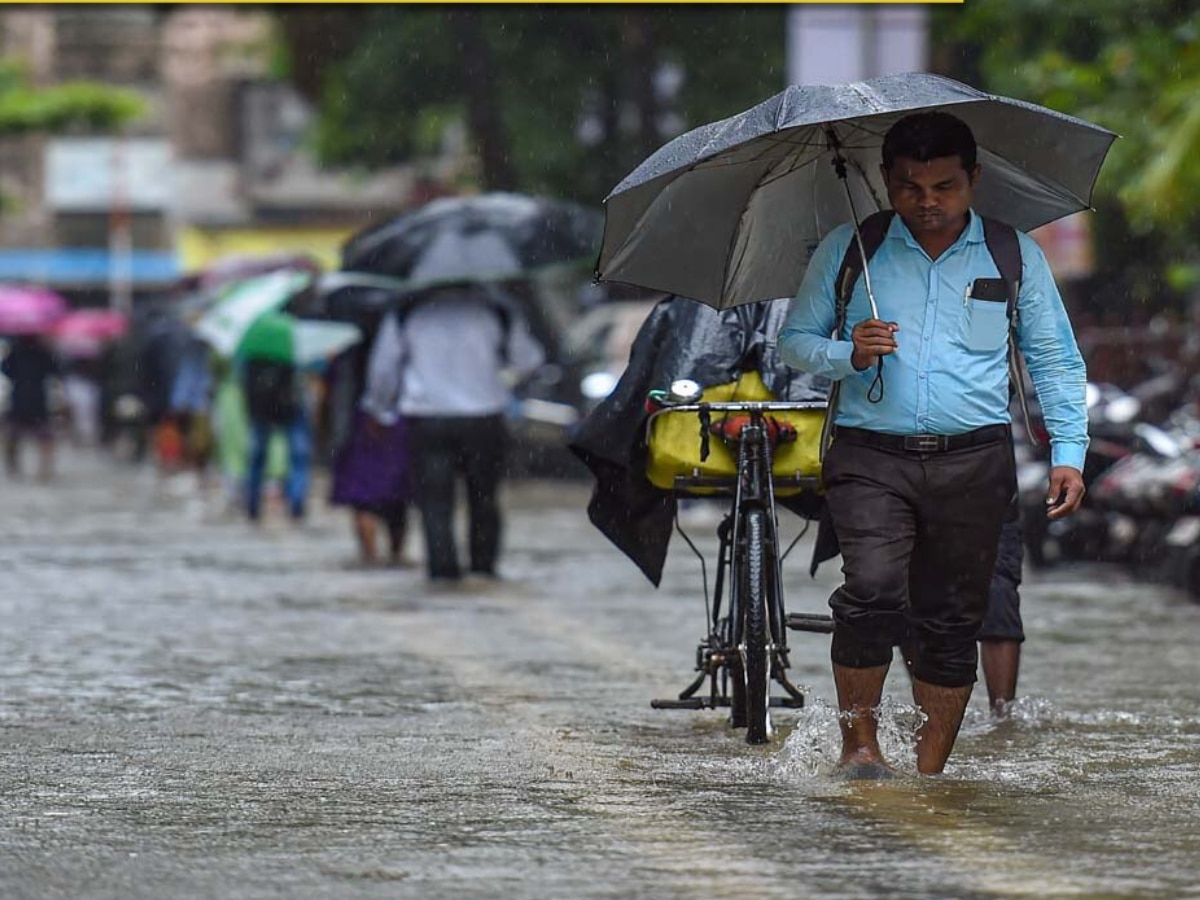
84,332
482,238
358,297
25,309
284,338
730,212
224,326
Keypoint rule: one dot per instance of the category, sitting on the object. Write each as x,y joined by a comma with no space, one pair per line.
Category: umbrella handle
839,165
875,391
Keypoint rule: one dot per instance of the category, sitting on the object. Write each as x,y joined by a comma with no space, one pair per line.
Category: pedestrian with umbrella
27,315
370,470
919,473
29,367
447,359
272,351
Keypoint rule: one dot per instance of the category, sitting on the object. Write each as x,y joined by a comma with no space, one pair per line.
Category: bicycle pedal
817,623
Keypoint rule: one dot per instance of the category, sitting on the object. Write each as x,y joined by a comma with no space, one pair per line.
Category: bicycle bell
684,390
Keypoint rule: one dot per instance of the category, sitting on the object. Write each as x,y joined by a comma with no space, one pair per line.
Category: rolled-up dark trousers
918,534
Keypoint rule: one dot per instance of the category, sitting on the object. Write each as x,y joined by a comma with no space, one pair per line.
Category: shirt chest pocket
985,316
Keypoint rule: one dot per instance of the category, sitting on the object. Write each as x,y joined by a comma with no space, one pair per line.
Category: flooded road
193,708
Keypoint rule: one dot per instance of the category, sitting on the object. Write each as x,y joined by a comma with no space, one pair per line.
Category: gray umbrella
730,212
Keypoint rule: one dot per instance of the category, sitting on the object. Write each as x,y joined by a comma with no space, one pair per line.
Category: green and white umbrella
302,342
224,326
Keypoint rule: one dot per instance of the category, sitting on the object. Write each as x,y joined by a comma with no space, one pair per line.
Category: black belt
922,443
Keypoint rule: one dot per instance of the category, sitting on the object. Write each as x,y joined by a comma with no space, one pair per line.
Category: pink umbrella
25,309
84,332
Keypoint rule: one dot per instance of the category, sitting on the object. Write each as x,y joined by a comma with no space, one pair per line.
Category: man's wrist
1063,454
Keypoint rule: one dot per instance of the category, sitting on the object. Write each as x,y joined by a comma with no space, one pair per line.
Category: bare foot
863,763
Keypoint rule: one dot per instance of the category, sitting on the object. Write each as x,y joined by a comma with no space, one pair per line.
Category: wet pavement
190,707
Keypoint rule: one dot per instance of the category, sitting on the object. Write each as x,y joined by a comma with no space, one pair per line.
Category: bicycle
745,649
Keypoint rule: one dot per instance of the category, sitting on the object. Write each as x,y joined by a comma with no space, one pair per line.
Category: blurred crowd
412,384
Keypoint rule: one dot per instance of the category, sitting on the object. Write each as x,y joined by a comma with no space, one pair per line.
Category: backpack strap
873,230
1005,248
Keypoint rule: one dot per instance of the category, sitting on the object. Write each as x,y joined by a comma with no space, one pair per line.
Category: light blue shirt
949,373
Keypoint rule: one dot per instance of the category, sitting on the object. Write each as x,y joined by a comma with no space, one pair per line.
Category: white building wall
835,43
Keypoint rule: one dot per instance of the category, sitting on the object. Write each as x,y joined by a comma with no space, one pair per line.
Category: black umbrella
358,297
489,237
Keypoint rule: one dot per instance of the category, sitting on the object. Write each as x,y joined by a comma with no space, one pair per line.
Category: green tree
1132,67
562,100
80,105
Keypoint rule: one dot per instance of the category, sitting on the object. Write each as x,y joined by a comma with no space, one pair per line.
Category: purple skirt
371,471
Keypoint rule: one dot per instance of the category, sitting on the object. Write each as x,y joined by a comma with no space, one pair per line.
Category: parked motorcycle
1112,425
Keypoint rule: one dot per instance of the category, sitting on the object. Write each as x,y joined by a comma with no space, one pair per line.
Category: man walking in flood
919,476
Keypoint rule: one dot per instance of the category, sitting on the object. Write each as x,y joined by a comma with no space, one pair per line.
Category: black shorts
1002,621
919,533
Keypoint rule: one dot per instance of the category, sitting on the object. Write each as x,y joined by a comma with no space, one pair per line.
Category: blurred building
830,43
215,168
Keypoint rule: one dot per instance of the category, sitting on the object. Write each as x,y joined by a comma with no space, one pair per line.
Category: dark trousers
1003,619
918,533
443,450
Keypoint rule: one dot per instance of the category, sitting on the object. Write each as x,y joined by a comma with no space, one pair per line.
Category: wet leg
45,458
435,472
859,692
12,453
260,435
364,533
397,528
1001,662
943,708
483,464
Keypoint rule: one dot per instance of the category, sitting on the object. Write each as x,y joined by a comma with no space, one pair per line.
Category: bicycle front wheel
756,633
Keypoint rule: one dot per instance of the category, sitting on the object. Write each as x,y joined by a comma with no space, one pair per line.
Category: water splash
813,748
1027,712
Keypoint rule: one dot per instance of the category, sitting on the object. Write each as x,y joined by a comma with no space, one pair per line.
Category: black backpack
1002,244
270,389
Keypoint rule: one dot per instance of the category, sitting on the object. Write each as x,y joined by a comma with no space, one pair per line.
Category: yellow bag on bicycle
674,441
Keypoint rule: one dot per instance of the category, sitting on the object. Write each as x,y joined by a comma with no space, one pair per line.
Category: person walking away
29,367
276,401
370,459
450,377
190,405
918,480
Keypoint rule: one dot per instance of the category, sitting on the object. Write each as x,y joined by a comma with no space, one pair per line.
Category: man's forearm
816,355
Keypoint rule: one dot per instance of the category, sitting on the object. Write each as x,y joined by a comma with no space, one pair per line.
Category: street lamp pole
120,234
